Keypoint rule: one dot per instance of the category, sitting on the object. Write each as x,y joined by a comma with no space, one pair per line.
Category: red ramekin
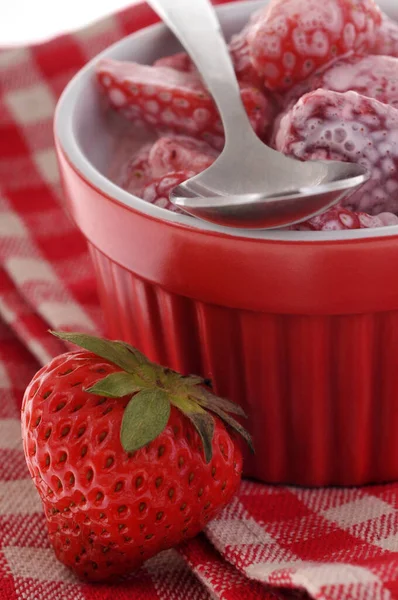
300,328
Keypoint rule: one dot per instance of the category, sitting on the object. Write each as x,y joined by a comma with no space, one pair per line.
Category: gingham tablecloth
270,542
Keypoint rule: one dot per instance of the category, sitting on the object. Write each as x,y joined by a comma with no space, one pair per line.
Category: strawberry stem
153,390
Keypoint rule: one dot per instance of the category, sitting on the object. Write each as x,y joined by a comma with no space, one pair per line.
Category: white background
26,21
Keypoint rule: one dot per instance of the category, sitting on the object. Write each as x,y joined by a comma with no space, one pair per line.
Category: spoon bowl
325,184
249,185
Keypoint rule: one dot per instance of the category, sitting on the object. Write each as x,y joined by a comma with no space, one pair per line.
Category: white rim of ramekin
64,132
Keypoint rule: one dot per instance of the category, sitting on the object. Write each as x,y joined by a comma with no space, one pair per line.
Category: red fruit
387,38
125,459
350,127
371,76
338,218
180,62
177,152
135,173
293,38
164,97
240,53
157,191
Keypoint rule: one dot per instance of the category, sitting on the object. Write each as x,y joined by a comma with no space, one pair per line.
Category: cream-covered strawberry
134,172
293,38
373,76
153,170
178,152
240,52
177,100
157,191
329,125
339,218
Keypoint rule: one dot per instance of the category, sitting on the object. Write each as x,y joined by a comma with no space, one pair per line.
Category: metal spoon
249,185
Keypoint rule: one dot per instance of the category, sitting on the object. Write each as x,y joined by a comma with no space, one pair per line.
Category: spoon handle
195,24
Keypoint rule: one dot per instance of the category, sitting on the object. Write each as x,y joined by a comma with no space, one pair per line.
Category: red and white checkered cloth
270,542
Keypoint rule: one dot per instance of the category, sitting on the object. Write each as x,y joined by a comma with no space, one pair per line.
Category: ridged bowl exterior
304,335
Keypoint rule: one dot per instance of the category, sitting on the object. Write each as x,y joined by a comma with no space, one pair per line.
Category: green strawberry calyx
154,389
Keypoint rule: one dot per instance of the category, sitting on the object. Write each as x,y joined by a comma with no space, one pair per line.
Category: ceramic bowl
301,328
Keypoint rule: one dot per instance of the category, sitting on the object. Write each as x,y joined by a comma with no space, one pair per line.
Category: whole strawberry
163,97
291,39
328,125
157,191
125,455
